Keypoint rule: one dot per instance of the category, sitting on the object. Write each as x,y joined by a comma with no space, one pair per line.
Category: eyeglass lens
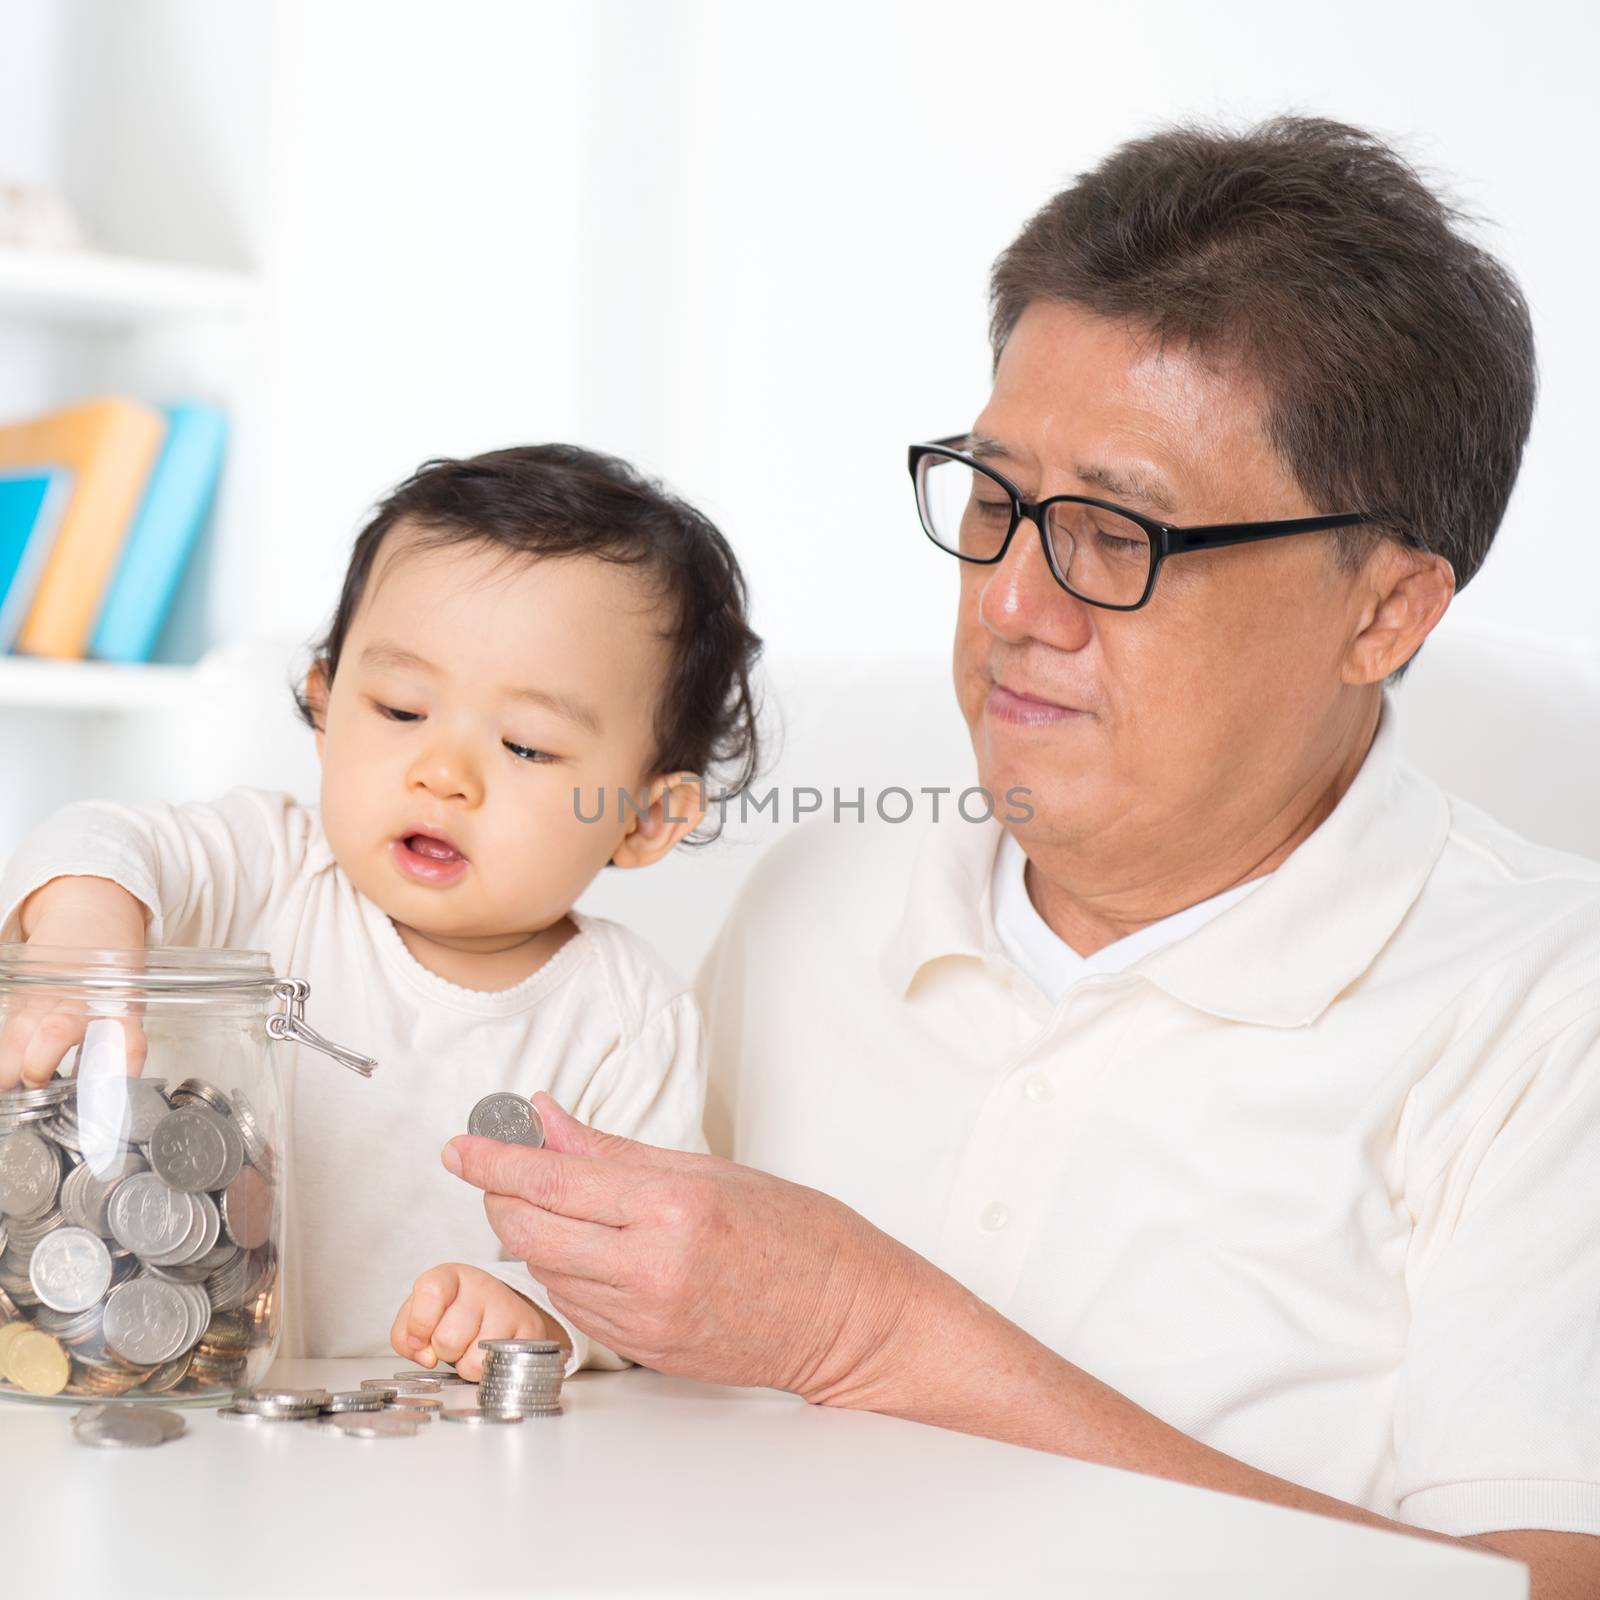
1103,556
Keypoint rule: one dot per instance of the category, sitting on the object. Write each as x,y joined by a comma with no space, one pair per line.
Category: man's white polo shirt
1037,950
1318,1183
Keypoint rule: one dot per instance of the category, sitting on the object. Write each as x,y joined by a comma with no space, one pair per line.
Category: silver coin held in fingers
508,1118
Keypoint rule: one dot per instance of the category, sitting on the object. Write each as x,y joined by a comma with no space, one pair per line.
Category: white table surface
650,1485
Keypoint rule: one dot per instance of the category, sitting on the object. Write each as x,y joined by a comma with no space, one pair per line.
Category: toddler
519,634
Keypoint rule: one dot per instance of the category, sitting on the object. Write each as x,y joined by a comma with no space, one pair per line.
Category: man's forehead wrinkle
1134,480
1128,482
984,448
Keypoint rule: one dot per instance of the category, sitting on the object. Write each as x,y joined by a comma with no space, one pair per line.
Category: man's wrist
863,1362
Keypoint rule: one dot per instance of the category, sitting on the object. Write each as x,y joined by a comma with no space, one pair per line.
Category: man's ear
1410,591
676,803
317,700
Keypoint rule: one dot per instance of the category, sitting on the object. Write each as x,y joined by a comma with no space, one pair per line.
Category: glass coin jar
141,1186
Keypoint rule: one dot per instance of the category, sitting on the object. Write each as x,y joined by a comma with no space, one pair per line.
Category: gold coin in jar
9,1334
38,1363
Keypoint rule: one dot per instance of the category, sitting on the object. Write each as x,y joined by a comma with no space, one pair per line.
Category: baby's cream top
604,1026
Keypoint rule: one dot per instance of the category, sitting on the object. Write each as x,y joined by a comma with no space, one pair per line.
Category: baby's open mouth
435,849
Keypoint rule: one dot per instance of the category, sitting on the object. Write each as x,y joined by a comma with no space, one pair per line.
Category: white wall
722,237
843,174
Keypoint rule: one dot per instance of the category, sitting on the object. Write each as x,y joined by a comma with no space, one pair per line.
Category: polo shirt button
1039,1089
994,1216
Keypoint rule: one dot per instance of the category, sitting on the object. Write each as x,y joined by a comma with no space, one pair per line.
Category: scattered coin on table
508,1118
111,1425
417,1385
380,1425
121,1428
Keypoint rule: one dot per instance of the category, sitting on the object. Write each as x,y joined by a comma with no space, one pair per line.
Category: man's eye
525,754
398,716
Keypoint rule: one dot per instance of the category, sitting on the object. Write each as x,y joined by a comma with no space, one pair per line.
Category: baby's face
475,691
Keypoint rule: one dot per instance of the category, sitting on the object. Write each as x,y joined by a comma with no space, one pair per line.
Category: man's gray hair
1396,356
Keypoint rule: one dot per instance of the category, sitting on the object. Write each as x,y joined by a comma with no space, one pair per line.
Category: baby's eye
522,751
397,716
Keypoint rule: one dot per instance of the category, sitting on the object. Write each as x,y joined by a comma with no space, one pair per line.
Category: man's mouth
1018,707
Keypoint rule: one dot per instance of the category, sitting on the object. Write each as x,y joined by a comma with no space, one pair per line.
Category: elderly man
1235,1116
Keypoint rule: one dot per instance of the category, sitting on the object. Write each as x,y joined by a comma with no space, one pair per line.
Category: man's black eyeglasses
1104,554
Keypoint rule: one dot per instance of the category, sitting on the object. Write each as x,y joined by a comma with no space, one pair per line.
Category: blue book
31,504
162,536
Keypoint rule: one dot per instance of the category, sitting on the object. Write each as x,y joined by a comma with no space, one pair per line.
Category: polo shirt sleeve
1497,1415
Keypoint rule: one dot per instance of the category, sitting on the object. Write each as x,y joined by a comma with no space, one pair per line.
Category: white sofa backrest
1511,723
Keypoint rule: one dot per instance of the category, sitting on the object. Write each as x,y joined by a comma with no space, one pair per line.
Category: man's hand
39,1030
450,1308
697,1266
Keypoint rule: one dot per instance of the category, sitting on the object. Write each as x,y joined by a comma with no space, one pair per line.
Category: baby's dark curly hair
561,500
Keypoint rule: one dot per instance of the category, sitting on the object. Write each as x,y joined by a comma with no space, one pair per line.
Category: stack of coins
136,1227
345,1402
522,1377
277,1405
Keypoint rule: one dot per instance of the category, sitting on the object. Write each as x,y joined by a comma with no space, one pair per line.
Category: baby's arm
452,1307
97,875
204,873
69,913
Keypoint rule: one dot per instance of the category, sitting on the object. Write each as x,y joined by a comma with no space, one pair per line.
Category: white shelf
86,287
29,683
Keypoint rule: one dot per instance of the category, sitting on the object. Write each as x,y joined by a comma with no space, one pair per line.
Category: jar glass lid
156,969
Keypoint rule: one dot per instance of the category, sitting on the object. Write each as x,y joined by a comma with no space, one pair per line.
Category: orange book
109,447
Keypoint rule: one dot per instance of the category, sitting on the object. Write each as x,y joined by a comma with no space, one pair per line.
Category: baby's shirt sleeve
650,1088
206,873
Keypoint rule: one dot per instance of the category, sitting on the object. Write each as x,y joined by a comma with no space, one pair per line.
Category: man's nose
1021,599
446,769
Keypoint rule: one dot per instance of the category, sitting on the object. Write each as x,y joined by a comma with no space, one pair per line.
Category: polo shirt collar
1280,956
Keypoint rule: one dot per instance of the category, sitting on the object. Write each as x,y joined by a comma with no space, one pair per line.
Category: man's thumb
569,1137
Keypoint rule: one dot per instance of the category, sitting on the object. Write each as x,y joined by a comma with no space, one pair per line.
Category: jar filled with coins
141,1203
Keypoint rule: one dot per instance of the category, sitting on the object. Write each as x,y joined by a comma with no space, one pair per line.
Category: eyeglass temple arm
1216,536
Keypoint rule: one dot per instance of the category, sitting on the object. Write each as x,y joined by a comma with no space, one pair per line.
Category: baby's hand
452,1307
40,1029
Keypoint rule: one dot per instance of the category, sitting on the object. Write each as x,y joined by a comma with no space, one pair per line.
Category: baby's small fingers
458,1333
511,1318
56,1034
399,1339
14,1038
138,1047
431,1296
469,1364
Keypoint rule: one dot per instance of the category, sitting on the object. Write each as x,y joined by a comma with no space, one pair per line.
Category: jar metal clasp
290,1023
